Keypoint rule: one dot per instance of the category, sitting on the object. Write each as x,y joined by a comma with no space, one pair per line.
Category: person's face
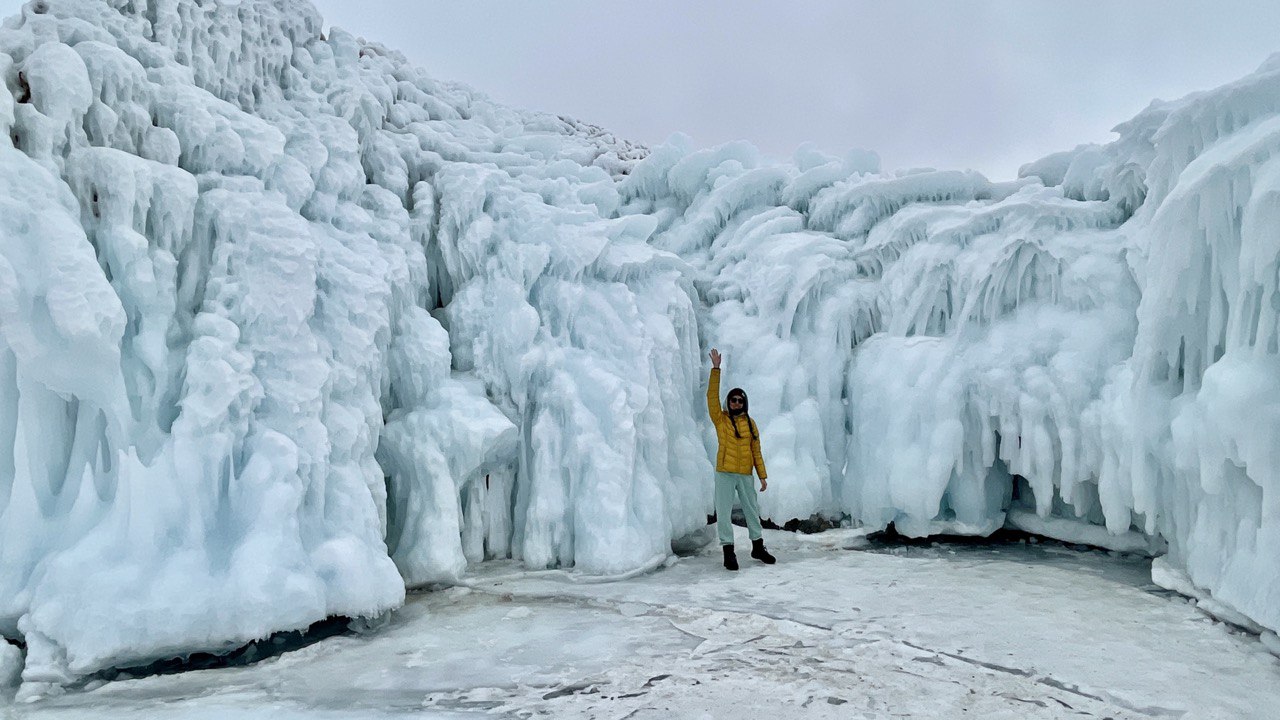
735,403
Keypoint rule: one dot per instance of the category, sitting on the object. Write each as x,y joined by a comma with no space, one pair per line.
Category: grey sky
981,84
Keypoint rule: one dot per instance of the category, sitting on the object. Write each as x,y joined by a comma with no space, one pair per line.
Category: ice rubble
286,324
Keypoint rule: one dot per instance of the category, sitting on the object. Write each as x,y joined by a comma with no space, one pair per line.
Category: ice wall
287,325
1088,352
917,346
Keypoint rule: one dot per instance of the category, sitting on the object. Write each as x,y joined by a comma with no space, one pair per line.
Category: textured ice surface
10,667
286,324
230,248
1007,631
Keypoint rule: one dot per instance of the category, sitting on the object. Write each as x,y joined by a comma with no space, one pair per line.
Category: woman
739,452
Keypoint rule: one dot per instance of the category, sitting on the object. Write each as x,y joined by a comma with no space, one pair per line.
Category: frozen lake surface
945,631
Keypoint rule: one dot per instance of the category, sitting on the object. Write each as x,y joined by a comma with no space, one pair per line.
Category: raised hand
715,358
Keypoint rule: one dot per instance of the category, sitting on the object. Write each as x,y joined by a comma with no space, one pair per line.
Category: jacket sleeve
756,456
713,398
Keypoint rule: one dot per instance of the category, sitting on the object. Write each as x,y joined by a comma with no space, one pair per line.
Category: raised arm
713,390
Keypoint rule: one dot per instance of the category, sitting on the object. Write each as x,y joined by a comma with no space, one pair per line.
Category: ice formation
287,325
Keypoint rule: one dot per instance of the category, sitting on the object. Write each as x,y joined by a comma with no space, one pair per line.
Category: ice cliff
286,324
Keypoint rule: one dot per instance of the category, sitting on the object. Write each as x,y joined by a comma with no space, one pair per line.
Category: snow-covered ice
287,326
997,631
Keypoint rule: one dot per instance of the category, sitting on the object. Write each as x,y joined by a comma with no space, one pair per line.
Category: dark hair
740,393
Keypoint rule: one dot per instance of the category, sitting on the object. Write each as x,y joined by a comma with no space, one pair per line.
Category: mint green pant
744,486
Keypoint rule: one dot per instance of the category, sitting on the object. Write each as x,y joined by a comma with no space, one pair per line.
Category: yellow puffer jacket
736,454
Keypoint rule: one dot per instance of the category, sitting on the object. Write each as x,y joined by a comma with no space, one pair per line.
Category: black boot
758,552
730,560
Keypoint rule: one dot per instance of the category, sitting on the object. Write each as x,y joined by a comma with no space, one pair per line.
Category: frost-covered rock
286,324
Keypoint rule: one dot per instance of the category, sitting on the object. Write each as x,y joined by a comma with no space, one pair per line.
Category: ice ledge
1171,578
1074,531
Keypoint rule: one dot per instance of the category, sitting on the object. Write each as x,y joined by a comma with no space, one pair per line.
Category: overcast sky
982,84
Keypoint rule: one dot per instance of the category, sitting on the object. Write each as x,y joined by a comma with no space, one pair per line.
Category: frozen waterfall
286,325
